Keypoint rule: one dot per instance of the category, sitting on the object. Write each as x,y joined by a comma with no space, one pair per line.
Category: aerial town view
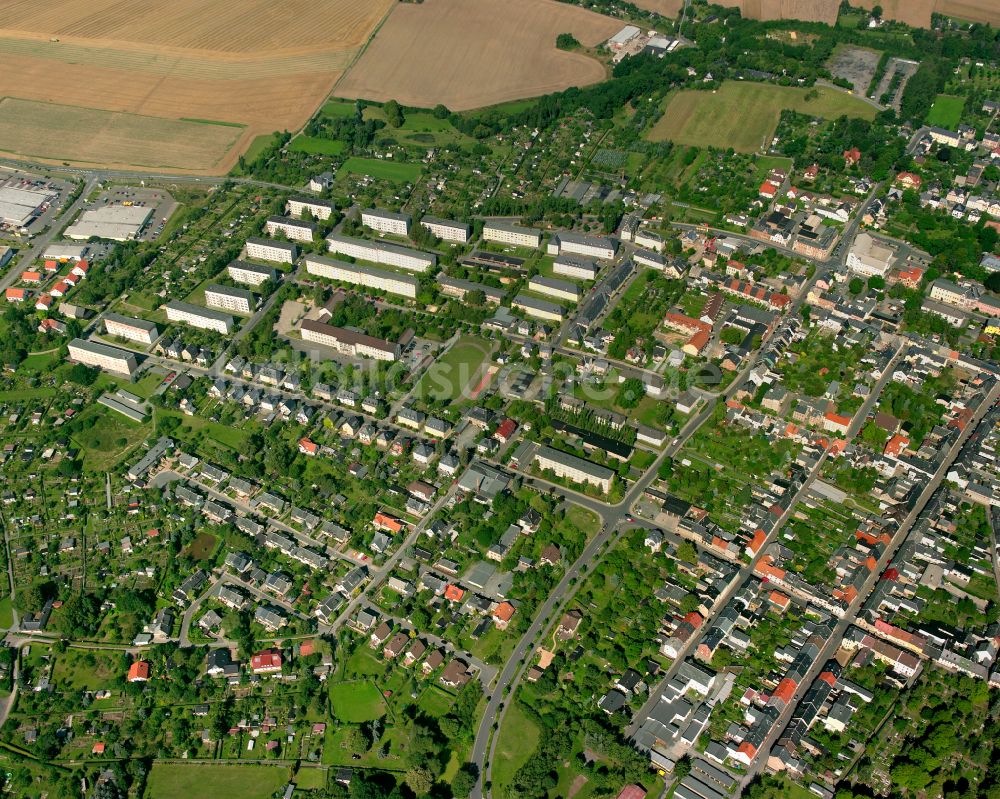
500,399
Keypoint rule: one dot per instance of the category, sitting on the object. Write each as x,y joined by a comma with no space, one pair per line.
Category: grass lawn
254,151
182,781
310,779
39,361
228,437
517,741
435,702
76,670
744,115
203,546
946,111
585,520
315,146
456,372
385,170
18,395
6,612
357,701
106,436
338,108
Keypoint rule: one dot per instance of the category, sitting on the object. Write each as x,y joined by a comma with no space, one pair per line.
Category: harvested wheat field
260,65
668,8
808,10
918,12
472,53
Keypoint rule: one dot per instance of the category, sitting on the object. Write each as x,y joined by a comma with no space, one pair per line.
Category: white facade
560,289
575,267
321,209
379,253
868,257
581,244
648,239
250,274
292,228
111,359
349,342
389,282
577,470
386,221
277,251
132,329
229,299
199,317
447,230
507,233
540,309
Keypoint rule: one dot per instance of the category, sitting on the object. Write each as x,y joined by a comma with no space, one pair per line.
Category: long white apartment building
386,221
199,317
540,309
570,467
582,244
320,209
381,253
110,359
380,279
572,266
229,299
447,229
250,274
454,287
138,330
869,257
649,240
510,233
551,287
349,342
294,229
280,252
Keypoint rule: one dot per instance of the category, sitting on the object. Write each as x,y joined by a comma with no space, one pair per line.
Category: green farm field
386,170
744,116
197,781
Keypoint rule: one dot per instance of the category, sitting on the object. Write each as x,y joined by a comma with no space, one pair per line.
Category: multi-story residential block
582,244
540,309
379,279
199,317
320,209
387,221
132,329
269,250
509,233
110,359
573,468
571,266
551,287
349,342
381,253
229,299
648,239
869,257
447,229
294,229
961,295
455,287
251,274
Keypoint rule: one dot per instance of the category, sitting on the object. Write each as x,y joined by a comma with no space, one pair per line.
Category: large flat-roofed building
869,257
110,359
570,467
229,299
381,253
455,287
510,233
250,274
386,221
582,244
540,309
63,251
447,229
379,279
280,252
112,222
197,316
349,342
294,229
551,287
18,205
320,209
132,329
572,266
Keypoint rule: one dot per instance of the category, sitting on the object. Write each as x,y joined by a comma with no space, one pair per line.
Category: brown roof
346,336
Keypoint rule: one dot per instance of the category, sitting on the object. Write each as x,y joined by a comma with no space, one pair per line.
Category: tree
687,552
992,281
393,114
856,286
682,767
465,780
441,112
81,375
420,780
630,393
567,41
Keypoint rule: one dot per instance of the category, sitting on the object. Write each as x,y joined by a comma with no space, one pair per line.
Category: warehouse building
349,342
379,279
60,251
18,206
112,222
320,209
582,244
454,287
110,359
132,329
381,253
269,250
571,266
509,233
251,274
386,221
447,229
551,287
540,309
229,299
294,229
570,467
199,317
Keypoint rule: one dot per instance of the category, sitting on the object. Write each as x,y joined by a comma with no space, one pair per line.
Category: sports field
472,53
184,60
744,116
457,373
183,781
946,111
